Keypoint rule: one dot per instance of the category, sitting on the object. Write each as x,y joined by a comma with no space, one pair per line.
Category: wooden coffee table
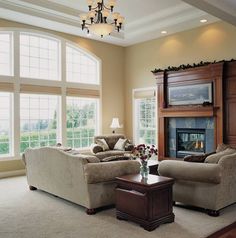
147,202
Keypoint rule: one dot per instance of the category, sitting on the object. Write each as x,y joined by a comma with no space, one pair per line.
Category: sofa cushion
120,144
103,144
104,154
103,172
214,159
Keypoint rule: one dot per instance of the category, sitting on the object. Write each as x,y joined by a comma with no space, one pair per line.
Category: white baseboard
12,173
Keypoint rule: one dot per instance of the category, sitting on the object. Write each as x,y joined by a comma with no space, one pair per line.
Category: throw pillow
115,158
96,149
222,147
103,144
214,159
197,158
120,144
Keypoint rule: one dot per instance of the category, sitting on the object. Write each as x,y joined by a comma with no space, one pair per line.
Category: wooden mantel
212,73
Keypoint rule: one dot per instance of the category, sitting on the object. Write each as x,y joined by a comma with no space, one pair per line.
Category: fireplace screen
190,142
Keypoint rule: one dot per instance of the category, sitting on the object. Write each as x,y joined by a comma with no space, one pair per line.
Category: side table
147,202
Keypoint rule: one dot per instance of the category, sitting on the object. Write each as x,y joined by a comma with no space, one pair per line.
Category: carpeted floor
36,214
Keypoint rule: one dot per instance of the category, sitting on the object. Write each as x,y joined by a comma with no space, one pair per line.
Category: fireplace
190,142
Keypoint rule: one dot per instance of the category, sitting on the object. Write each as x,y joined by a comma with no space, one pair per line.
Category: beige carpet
34,214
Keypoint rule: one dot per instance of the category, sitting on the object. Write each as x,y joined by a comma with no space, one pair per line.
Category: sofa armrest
228,163
107,171
95,148
197,172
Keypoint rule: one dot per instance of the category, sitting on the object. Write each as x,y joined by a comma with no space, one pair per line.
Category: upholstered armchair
210,185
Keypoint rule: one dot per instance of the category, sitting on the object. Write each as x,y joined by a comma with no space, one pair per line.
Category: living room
43,44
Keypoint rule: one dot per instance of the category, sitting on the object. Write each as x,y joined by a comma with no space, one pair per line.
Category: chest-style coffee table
147,202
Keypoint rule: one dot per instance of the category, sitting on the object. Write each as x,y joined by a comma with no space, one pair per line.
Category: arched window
80,67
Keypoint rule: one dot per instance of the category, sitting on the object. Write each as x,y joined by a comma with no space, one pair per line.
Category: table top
149,181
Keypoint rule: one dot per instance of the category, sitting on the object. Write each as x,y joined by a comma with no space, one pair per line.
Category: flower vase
144,169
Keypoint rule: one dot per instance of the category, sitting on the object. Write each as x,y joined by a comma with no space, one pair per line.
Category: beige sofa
111,140
79,178
210,185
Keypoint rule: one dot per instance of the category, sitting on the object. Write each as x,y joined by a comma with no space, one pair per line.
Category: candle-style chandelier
101,20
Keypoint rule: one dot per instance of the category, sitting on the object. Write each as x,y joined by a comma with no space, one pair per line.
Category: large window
5,124
55,89
82,121
80,67
6,54
145,119
39,120
39,57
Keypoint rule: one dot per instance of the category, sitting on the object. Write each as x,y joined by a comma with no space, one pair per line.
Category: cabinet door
132,202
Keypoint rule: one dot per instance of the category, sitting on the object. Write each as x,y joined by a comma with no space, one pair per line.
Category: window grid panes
6,54
38,120
39,57
146,120
82,121
80,68
5,124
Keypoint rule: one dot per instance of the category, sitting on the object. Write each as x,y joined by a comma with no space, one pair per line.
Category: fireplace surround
211,115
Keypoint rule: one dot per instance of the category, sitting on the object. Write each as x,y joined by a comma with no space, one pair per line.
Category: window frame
11,55
17,81
11,129
135,123
97,117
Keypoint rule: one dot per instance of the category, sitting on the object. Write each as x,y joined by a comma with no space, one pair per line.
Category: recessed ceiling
144,20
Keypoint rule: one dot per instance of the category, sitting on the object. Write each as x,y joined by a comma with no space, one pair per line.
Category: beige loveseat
79,178
110,152
210,185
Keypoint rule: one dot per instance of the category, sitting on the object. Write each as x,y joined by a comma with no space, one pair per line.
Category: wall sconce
115,124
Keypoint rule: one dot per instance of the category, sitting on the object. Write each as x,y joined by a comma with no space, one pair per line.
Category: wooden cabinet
147,202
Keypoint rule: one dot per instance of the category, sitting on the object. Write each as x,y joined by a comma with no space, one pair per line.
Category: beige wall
112,58
208,43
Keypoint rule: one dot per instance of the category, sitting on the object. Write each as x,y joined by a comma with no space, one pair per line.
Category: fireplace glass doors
190,142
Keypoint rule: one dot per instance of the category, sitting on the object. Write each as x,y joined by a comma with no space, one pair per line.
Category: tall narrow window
39,116
6,54
145,118
82,121
39,57
80,67
5,124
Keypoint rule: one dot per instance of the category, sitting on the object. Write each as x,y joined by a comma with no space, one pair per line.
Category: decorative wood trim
186,111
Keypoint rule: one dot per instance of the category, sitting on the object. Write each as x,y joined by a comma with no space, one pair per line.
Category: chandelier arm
108,8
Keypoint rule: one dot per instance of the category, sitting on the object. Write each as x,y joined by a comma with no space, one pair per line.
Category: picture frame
190,94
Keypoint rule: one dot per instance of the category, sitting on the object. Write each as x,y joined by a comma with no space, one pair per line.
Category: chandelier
101,20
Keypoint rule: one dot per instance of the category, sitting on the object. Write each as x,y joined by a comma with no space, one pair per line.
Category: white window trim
135,135
63,84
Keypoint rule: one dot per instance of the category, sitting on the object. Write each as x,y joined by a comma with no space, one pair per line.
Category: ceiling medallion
101,20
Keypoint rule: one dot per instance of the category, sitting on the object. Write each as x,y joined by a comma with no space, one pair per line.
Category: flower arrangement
144,152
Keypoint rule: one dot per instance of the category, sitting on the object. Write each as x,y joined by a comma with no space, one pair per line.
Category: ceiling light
100,19
203,20
163,32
